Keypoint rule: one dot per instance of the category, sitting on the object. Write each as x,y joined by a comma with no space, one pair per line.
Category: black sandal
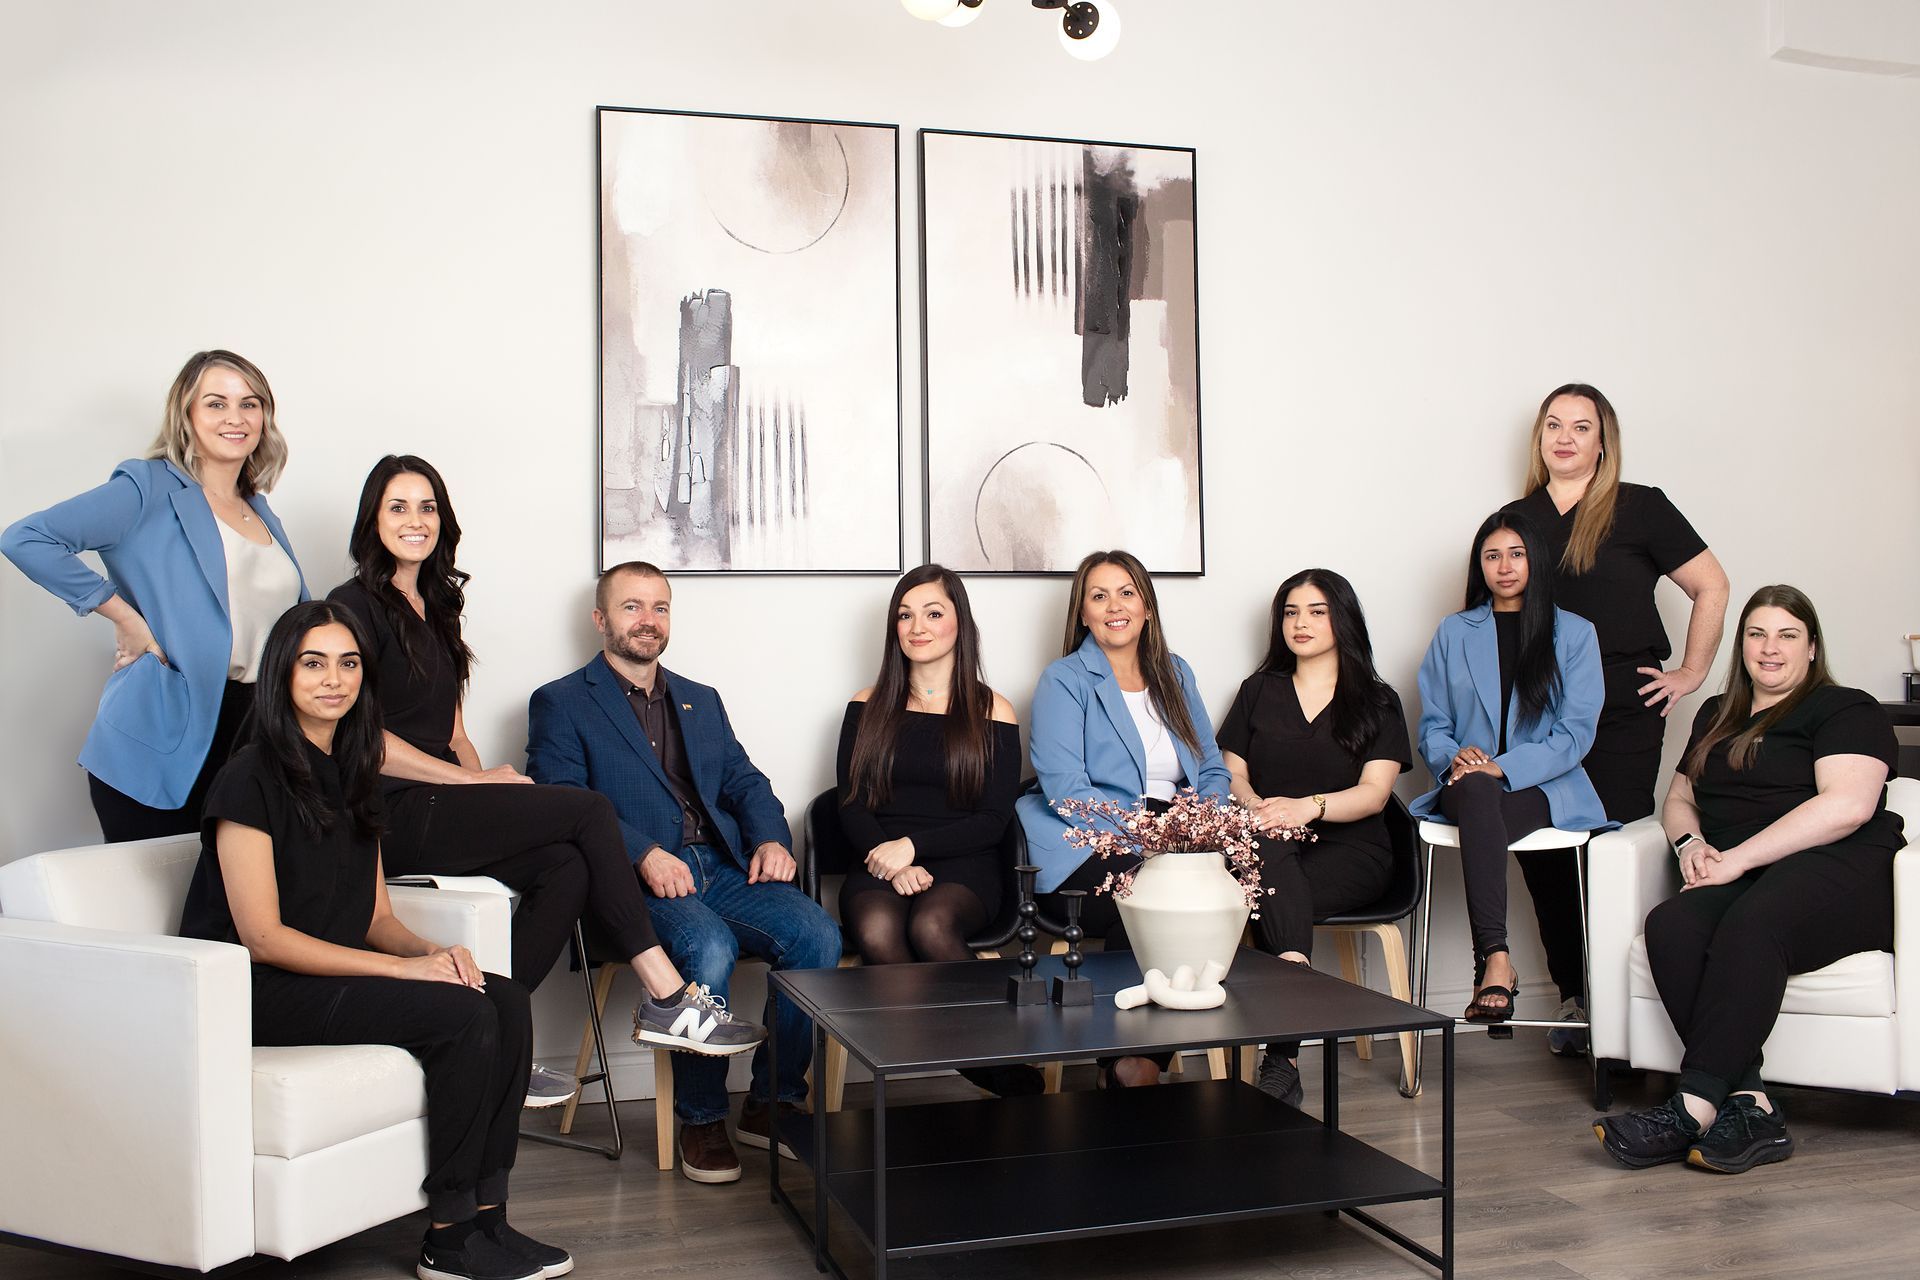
1489,1014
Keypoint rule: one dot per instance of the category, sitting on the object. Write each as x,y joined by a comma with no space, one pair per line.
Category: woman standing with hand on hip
1611,543
198,568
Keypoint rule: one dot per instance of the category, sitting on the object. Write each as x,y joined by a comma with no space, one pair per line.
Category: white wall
1414,220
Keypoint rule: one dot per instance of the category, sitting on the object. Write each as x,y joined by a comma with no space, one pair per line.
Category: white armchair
157,1132
1840,1027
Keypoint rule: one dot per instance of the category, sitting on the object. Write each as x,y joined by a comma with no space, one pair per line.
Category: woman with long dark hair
1315,739
290,869
197,569
448,814
928,769
1611,542
1778,815
1510,692
1118,716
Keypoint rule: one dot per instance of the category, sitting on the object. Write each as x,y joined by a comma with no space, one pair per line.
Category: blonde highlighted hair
1594,521
175,441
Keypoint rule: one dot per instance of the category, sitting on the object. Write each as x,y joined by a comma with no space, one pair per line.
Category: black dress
956,844
1350,863
419,693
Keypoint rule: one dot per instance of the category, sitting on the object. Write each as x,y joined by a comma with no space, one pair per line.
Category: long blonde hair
1736,704
1156,660
175,441
1594,521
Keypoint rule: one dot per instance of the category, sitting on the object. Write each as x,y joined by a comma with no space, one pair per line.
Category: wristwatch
1680,845
1322,802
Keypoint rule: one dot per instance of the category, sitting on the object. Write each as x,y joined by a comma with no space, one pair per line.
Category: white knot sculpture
1184,990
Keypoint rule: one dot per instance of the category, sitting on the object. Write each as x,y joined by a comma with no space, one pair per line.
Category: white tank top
1163,762
262,584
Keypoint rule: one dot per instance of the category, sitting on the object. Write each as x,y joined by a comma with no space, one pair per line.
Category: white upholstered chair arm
479,921
1906,959
1629,872
126,1093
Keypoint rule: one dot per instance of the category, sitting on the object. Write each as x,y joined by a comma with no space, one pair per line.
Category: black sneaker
475,1258
1642,1139
551,1261
1280,1078
1740,1137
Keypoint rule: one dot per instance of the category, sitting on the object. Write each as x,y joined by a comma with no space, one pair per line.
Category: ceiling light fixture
1089,29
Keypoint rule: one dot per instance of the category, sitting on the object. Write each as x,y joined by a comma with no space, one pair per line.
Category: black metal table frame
816,1230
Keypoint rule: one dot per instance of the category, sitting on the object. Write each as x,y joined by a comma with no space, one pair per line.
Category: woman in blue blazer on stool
198,571
1117,717
1510,694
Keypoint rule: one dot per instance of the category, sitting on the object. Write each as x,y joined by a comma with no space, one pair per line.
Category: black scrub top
1288,755
417,708
326,881
1735,804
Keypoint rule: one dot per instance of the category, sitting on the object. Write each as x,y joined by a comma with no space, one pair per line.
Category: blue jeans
705,933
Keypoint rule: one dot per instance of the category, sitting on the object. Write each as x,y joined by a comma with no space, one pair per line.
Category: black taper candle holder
1023,988
1072,989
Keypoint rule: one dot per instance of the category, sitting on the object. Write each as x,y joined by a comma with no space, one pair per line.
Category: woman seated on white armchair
1778,816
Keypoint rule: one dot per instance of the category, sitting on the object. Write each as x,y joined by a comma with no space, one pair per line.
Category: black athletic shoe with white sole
698,1022
475,1258
1740,1137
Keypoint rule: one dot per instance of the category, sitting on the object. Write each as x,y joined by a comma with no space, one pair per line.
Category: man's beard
628,646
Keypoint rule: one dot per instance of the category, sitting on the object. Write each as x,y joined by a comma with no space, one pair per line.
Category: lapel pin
686,706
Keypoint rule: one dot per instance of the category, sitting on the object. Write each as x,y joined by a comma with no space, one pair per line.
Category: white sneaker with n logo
698,1022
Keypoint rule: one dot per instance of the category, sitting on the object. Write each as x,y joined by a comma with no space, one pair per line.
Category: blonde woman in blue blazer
198,571
1117,717
1510,694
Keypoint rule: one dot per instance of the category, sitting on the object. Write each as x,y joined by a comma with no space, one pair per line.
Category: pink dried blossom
1191,824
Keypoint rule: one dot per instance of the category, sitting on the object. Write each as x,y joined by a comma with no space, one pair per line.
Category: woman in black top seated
1778,815
928,770
560,848
1315,737
290,869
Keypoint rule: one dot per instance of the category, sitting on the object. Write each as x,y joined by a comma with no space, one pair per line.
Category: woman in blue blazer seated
1510,694
1117,717
198,570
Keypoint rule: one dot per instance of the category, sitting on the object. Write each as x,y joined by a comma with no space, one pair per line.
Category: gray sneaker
697,1022
1569,1042
1280,1079
546,1088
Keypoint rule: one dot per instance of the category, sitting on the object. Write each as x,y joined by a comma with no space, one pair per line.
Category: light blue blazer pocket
147,701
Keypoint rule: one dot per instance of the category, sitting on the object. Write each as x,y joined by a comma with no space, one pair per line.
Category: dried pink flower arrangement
1192,824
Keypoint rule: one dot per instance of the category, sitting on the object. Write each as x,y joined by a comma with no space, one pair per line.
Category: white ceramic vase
1185,909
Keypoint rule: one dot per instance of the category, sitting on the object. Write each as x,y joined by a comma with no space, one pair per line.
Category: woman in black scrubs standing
1613,542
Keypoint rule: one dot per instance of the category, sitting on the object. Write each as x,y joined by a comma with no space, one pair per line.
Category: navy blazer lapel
196,521
609,690
1106,688
1483,664
693,734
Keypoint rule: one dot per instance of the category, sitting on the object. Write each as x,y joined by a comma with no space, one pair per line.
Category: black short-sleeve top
417,707
1289,755
1649,540
326,881
1735,804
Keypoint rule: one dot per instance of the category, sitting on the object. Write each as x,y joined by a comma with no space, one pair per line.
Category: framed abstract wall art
1060,323
749,343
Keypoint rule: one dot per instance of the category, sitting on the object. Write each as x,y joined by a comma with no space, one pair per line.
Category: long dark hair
969,720
1536,676
1736,704
1361,698
273,729
1156,660
442,584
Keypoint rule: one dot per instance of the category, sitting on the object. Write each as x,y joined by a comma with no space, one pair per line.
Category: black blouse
326,882
1649,540
418,709
1289,755
917,804
1736,805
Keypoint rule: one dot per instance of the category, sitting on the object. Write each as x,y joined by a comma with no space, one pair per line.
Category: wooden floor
1537,1199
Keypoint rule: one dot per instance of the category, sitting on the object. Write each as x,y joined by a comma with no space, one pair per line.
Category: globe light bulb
1105,21
930,10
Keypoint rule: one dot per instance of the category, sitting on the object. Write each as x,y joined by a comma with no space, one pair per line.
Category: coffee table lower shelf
998,1172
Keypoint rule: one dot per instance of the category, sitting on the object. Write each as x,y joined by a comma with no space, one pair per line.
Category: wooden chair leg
1348,942
1393,947
1250,1063
663,1108
836,1073
1052,1073
1217,1065
602,984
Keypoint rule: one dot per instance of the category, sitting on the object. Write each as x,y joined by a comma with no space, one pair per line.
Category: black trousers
559,847
124,818
474,1047
1310,881
1721,955
1490,818
1099,916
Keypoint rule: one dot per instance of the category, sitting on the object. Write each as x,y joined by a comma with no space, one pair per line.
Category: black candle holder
1073,989
1024,988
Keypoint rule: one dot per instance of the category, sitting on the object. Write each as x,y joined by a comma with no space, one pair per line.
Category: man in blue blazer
706,835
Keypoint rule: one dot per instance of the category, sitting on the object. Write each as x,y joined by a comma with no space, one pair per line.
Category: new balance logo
693,1025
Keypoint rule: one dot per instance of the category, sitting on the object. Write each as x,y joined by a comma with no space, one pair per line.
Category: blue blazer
1460,700
155,533
581,732
1084,744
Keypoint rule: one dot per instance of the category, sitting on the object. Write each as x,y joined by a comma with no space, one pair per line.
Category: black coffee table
953,1176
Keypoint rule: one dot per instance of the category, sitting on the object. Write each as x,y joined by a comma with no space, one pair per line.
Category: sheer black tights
933,924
